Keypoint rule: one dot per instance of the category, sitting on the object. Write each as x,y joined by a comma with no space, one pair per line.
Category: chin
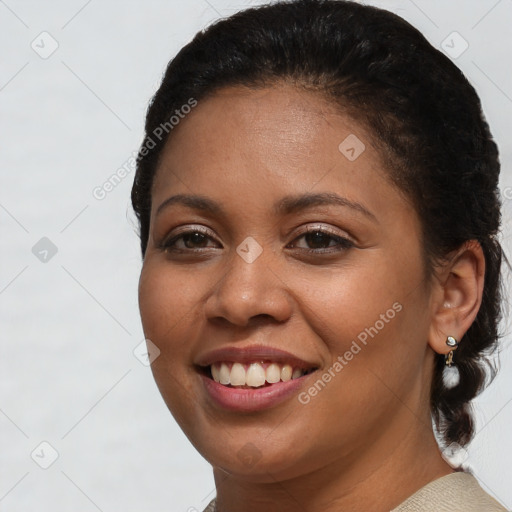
245,460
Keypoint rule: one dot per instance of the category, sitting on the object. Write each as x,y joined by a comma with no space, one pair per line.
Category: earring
451,375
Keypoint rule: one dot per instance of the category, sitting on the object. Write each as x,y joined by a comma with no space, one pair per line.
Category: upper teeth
253,374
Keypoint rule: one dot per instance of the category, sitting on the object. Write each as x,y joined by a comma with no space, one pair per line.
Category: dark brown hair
421,111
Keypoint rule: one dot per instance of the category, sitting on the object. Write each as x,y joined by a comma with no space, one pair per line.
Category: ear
456,295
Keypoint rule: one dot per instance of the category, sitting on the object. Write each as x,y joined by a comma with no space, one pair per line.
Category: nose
249,293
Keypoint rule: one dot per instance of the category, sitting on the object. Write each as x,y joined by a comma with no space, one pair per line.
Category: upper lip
253,353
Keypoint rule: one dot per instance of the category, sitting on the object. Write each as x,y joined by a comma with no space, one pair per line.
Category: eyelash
342,242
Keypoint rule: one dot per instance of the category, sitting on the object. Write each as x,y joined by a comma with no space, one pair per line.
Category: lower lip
248,400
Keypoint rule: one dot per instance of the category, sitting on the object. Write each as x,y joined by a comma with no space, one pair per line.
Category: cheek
373,296
165,300
168,303
374,321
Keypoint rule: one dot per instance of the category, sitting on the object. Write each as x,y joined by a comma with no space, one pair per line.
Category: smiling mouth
252,375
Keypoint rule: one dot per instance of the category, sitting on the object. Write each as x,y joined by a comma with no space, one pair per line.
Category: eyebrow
285,206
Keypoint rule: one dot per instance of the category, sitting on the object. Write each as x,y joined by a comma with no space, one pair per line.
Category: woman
318,201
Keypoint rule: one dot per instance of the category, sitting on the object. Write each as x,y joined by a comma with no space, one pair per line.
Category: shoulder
456,492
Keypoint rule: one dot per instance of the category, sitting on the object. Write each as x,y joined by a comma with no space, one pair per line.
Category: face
278,247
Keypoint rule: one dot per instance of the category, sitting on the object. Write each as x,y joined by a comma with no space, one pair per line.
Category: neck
359,484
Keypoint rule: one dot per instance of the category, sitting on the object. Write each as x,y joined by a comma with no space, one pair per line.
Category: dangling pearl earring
451,375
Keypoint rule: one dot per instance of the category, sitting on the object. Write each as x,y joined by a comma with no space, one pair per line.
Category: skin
365,441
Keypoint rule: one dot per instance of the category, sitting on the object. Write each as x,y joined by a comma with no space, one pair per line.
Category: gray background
69,321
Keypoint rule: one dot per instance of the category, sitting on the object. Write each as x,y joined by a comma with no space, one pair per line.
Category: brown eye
318,240
191,239
194,238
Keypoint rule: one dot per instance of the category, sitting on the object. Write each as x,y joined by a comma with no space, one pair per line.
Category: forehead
242,145
276,128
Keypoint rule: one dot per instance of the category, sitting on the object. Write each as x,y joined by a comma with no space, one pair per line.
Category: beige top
456,492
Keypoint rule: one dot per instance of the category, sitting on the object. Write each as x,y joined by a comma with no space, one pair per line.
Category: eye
320,240
191,239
